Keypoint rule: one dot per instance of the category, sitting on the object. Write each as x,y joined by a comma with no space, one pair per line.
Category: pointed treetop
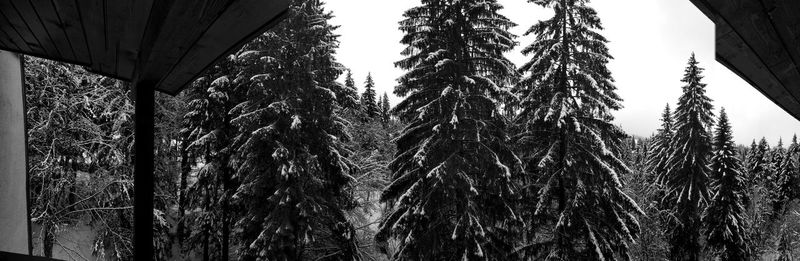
723,136
369,82
348,81
666,119
763,145
694,107
369,99
693,72
385,106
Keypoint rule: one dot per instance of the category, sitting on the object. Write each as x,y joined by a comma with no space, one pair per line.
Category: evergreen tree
659,150
686,178
386,109
369,100
208,133
80,136
569,145
451,177
787,183
348,97
290,157
778,153
765,162
753,164
727,229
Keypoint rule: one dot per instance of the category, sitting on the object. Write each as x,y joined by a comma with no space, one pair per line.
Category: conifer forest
278,152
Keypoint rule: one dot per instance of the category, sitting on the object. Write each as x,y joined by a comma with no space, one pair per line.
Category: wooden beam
144,93
758,40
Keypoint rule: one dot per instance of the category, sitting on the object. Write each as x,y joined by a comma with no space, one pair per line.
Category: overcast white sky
650,40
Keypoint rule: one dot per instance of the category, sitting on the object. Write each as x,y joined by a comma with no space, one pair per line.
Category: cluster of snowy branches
500,163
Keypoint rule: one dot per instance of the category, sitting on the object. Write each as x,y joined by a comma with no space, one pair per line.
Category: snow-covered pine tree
778,153
787,181
369,98
290,157
725,216
81,125
348,97
686,178
386,109
569,144
753,164
660,145
765,161
209,132
450,198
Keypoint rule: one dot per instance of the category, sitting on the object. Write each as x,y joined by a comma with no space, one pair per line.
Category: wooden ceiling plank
783,15
31,19
242,19
134,32
5,40
750,21
94,27
51,22
70,22
14,25
737,55
34,22
117,16
184,26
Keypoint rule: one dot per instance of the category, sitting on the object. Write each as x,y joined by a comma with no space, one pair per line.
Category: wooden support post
143,171
14,221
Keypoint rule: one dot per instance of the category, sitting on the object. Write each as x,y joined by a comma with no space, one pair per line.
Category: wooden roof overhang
760,41
159,45
168,42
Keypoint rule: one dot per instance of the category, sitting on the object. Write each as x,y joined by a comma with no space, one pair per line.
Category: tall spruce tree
660,148
207,134
568,143
787,183
686,178
386,109
290,158
725,218
369,102
778,153
451,190
764,158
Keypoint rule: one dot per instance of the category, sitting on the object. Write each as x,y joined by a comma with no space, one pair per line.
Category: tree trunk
206,233
47,241
226,231
185,169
